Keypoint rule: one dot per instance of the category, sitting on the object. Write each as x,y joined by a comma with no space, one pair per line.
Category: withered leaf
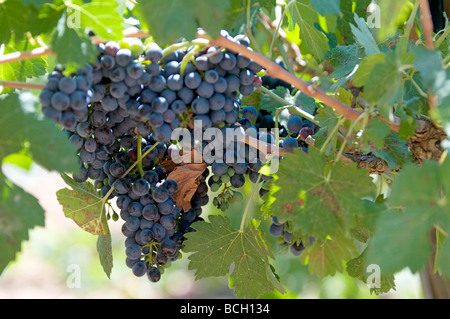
187,177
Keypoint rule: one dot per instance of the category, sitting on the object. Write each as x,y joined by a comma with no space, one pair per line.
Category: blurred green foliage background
44,267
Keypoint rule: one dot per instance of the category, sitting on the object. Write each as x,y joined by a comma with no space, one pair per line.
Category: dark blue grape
141,187
139,268
250,113
175,82
157,83
178,106
123,57
158,232
228,62
153,53
290,144
60,101
192,80
200,106
133,251
149,212
219,169
160,194
67,85
205,90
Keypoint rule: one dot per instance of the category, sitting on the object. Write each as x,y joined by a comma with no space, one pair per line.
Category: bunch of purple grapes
128,103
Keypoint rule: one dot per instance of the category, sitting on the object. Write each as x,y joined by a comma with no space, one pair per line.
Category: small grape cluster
238,160
65,98
279,230
292,137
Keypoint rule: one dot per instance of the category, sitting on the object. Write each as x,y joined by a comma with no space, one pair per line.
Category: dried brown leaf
188,178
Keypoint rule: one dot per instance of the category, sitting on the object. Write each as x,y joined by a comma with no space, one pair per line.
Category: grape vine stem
427,23
43,51
276,71
20,56
21,85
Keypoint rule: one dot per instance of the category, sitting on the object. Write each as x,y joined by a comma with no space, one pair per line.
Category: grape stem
427,23
331,135
278,27
278,98
201,43
139,155
105,198
43,51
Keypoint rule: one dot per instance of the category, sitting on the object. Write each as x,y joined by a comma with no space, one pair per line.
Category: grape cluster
292,137
128,103
65,98
286,238
237,161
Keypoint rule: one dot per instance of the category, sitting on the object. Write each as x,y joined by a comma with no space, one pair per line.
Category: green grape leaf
325,258
84,206
326,198
13,14
303,14
363,36
443,258
430,66
47,18
270,105
344,59
327,7
216,246
267,4
21,70
395,152
412,216
407,125
104,249
393,229
66,41
170,20
102,17
348,9
328,119
253,99
19,213
389,14
379,282
365,68
376,133
20,128
19,159
36,3
384,84
237,17
304,102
